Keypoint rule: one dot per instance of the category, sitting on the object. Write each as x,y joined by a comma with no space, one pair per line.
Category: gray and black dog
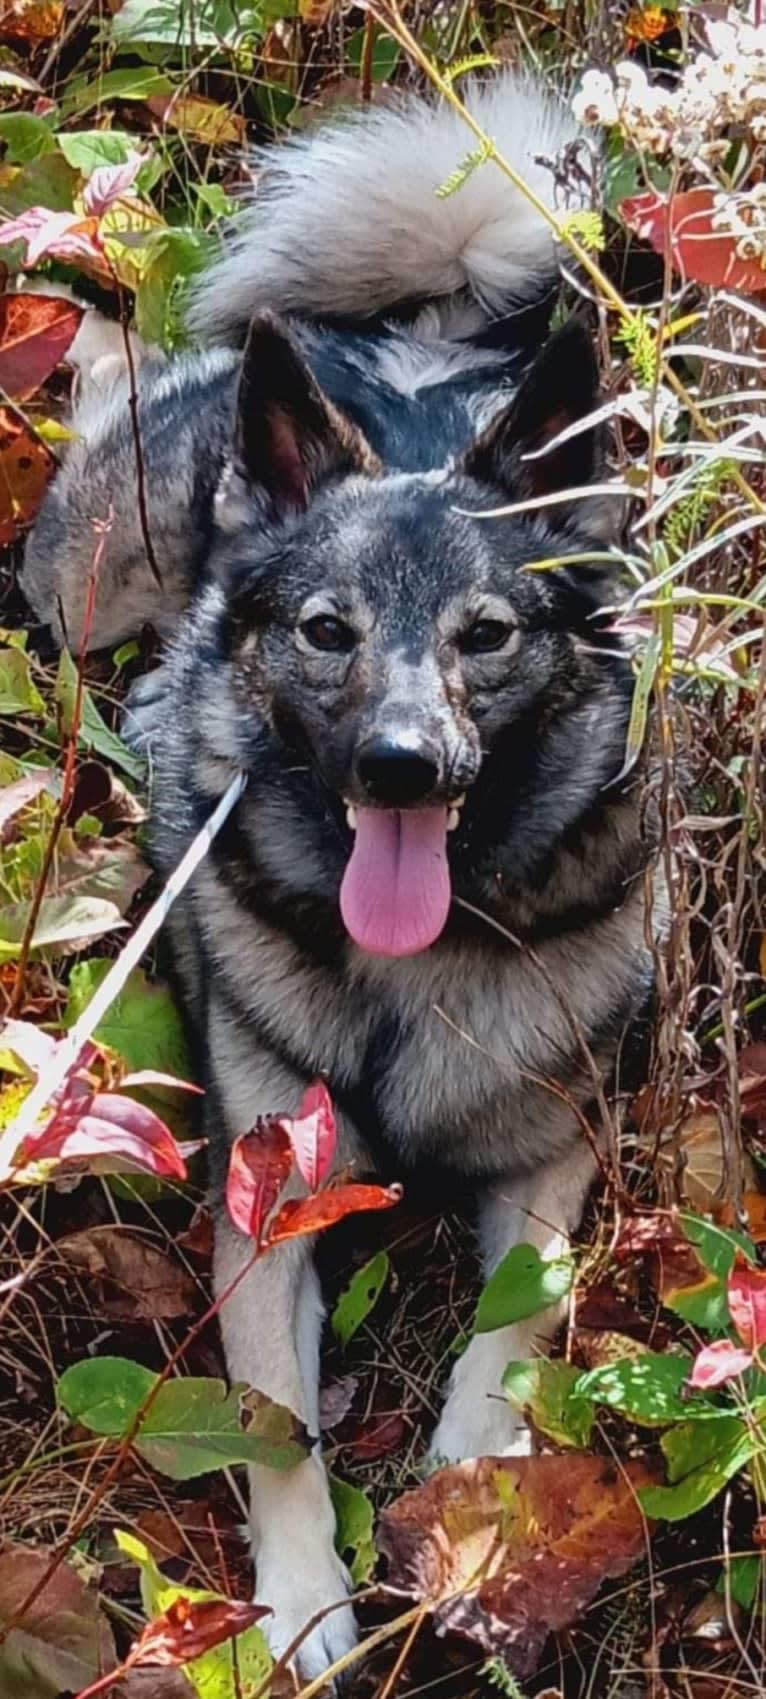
431,892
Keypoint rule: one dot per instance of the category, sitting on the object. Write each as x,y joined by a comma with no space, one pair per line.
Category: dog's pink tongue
395,894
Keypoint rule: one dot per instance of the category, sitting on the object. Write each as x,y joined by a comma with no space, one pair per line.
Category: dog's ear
288,435
560,388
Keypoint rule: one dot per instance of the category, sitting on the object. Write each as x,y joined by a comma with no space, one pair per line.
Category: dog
431,892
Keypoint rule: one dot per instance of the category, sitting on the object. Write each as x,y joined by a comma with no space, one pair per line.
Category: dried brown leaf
508,1550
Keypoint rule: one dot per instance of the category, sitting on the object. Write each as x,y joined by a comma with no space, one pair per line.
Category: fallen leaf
683,229
203,120
18,795
376,1436
335,1401
64,1642
311,1215
260,1164
312,1134
137,1281
746,1292
189,1628
508,1550
717,1363
26,467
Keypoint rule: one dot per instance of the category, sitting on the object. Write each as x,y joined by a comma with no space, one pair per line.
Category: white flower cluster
722,87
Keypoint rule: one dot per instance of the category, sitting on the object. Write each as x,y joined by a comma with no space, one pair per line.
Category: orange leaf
683,228
646,25
203,120
35,333
30,20
25,468
507,1550
310,1215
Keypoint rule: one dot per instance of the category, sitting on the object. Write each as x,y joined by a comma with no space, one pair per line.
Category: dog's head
389,635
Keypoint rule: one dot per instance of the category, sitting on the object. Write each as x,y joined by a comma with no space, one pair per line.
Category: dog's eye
329,634
484,636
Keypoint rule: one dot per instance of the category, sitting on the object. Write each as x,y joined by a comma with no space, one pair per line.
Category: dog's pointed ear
288,436
560,388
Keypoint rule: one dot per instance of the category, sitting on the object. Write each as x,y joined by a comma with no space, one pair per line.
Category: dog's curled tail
352,219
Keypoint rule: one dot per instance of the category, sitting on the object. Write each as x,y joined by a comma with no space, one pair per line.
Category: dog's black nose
394,773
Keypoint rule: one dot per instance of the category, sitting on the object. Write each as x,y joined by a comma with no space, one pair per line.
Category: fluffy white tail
347,220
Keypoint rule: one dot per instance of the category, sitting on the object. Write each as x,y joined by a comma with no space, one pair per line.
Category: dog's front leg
541,1210
271,1328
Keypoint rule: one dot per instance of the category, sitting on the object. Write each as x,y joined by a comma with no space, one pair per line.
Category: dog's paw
495,1431
296,1593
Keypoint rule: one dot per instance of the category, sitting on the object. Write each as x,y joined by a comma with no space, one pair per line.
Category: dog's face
390,637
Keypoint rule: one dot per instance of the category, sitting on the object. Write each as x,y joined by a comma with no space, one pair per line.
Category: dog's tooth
351,816
453,819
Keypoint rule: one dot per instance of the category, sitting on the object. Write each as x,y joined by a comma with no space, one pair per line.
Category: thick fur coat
431,892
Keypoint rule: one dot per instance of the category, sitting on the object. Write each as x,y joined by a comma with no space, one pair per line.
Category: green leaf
701,1459
185,25
126,652
94,732
87,150
212,1676
546,1390
135,83
705,1305
47,181
142,1024
743,1579
521,1285
173,257
385,54
360,1297
25,138
194,1424
104,1393
648,1389
18,692
353,1530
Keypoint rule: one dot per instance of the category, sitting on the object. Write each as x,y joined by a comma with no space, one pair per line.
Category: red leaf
35,333
26,465
310,1215
683,228
260,1163
189,1628
86,1125
312,1134
718,1363
746,1292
